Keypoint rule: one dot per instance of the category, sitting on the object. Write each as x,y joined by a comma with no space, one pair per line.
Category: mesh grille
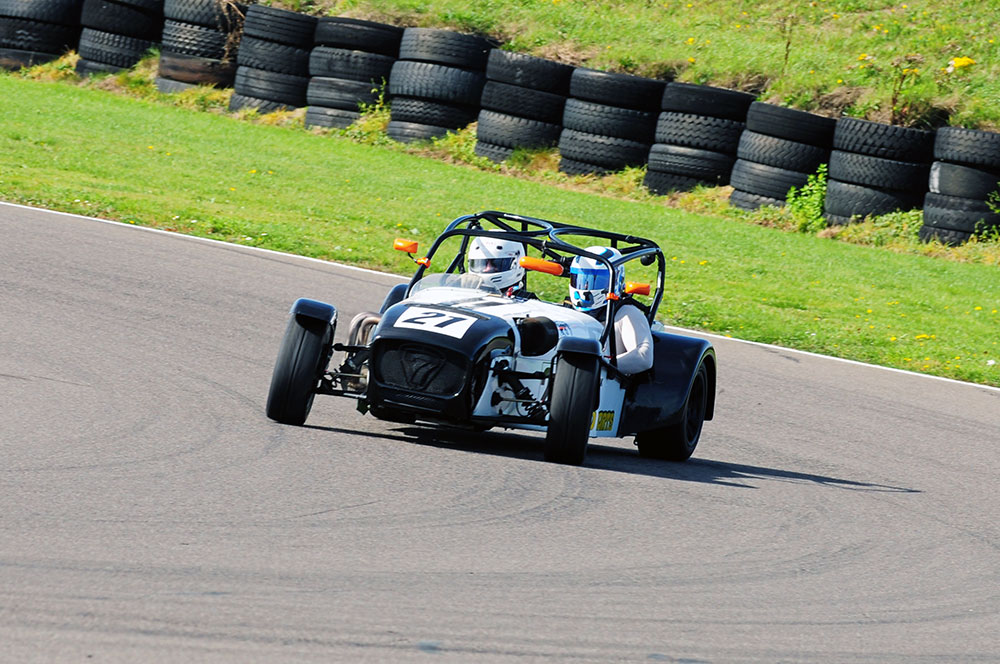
420,368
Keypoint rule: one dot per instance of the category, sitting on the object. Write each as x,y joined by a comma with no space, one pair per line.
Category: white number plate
433,320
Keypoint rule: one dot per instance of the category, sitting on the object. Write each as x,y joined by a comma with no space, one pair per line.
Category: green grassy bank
84,150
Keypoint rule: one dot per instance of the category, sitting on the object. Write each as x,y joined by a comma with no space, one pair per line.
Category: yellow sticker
602,420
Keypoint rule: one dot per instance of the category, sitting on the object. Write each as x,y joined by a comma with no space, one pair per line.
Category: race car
449,348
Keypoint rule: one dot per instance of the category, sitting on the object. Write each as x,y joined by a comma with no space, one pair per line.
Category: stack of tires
117,34
779,149
350,60
273,60
37,31
522,104
965,172
876,168
200,38
609,121
436,84
697,134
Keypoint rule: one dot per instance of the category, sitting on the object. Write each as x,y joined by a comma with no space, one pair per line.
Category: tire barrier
439,77
199,44
697,135
117,34
37,31
965,173
273,59
350,60
522,104
609,121
779,149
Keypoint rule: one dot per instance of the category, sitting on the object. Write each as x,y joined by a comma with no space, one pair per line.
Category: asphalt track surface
833,512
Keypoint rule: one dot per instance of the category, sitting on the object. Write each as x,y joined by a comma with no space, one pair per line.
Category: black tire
575,387
678,441
959,214
148,5
116,50
607,151
945,236
495,153
427,80
226,17
353,65
705,100
698,131
86,67
424,111
844,199
527,71
302,359
746,200
169,86
514,132
191,39
883,140
409,132
62,12
780,152
626,90
661,183
122,19
337,118
605,120
280,25
283,88
964,181
272,56
354,33
339,93
704,165
768,181
445,47
577,167
238,101
14,58
30,35
196,70
791,124
522,102
967,146
877,172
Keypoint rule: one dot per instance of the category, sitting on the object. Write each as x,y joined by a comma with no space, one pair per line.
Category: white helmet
497,262
590,279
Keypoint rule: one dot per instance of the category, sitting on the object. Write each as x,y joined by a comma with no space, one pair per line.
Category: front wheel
302,359
677,441
574,393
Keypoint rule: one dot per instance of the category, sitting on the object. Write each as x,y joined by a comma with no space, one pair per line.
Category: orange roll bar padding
541,265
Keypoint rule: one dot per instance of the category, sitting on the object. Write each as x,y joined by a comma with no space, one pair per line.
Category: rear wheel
301,362
677,441
574,392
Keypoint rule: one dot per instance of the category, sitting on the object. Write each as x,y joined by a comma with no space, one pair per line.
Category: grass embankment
82,150
905,62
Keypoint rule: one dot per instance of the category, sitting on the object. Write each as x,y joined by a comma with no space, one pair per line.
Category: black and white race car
448,348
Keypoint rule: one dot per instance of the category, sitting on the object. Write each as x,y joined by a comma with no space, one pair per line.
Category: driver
589,285
498,264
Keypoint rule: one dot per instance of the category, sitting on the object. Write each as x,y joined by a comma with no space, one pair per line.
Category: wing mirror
541,265
402,244
635,287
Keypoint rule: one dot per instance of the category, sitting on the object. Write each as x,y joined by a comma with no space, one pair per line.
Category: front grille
420,368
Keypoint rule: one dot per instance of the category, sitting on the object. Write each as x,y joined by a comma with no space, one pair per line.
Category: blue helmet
590,279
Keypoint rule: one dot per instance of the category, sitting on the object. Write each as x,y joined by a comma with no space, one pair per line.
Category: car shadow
609,458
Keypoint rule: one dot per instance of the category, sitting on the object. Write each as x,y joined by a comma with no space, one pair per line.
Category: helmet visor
490,265
583,278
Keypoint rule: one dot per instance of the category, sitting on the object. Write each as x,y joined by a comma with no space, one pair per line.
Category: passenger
589,285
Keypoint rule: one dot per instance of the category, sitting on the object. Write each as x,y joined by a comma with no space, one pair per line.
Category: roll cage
550,239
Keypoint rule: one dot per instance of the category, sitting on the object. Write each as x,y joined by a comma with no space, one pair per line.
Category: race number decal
602,420
432,320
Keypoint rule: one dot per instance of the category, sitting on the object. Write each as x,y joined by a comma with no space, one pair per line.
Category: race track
833,512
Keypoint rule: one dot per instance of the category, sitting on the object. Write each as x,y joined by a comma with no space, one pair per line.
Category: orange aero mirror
636,287
402,244
540,265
